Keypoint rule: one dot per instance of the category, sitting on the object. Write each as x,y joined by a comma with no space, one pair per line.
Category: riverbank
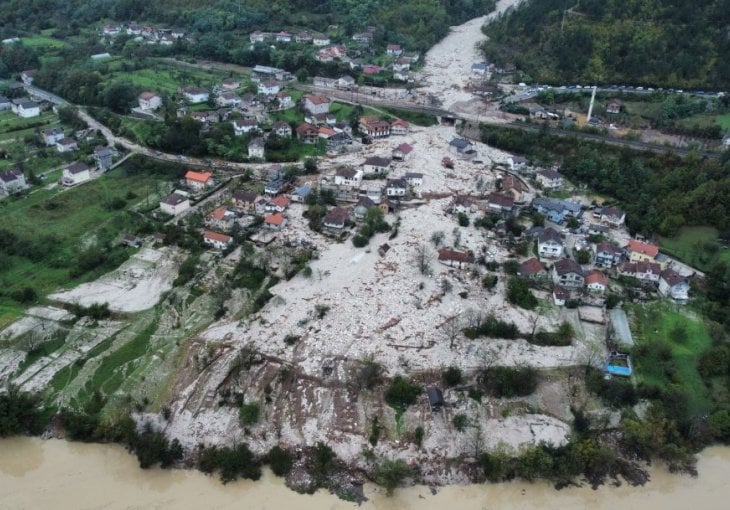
62,475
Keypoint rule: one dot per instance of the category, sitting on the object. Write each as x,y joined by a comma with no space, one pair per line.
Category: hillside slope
671,43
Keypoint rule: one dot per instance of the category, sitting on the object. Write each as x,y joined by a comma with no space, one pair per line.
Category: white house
550,179
394,50
399,127
257,148
195,94
403,152
596,282
12,181
284,99
242,126
281,129
568,273
217,240
516,163
75,173
52,136
396,188
228,99
414,179
348,176
377,165
550,244
673,285
149,101
316,104
26,108
198,181
67,145
613,216
320,40
269,87
174,204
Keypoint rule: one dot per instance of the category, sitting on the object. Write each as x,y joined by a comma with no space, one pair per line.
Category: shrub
360,241
460,422
375,429
418,435
490,281
402,393
280,461
616,392
249,413
291,339
391,473
518,293
324,461
508,382
463,219
25,295
452,376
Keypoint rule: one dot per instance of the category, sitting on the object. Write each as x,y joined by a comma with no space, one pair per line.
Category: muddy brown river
37,474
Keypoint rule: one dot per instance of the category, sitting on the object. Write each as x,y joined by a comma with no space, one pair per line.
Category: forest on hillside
417,24
667,43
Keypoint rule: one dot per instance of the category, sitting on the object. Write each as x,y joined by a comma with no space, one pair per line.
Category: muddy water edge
37,474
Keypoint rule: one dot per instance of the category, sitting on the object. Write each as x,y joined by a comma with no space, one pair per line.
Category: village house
245,201
457,259
596,282
277,204
307,133
363,37
301,193
594,229
613,216
269,87
111,30
500,203
374,127
348,176
556,210
516,163
550,244
194,95
645,272
550,179
52,136
402,75
228,99
260,73
336,218
560,295
283,37
376,165
396,188
325,132
338,140
460,146
316,104
198,181
249,99
394,50
414,179
75,173
28,76
345,82
403,152
318,119
607,255
613,106
399,127
258,36
25,108
230,84
274,185
5,104
324,83
532,269
513,186
104,158
320,40
217,240
568,273
257,148
174,204
281,129
360,210
284,100
67,145
220,219
673,285
243,126
275,221
641,252
149,101
401,65
12,181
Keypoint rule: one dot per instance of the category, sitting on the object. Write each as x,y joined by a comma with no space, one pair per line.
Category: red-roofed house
532,268
399,127
277,204
198,180
394,50
275,221
374,127
307,133
316,104
149,101
403,152
596,282
217,240
220,219
458,259
499,202
641,252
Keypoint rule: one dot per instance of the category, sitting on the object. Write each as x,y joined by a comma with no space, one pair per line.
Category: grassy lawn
39,41
668,345
417,118
695,246
55,225
724,121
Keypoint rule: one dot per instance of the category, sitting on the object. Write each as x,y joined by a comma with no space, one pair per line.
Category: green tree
392,473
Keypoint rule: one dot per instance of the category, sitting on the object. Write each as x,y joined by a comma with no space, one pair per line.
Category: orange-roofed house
276,221
596,282
217,240
220,219
399,127
642,252
198,180
277,204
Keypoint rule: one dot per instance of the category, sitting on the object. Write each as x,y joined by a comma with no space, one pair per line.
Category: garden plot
136,285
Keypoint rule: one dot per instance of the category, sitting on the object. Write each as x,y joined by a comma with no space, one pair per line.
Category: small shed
435,399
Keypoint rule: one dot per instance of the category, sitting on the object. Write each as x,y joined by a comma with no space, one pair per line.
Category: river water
59,475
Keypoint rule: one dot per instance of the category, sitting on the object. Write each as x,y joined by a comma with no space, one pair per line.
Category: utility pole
590,107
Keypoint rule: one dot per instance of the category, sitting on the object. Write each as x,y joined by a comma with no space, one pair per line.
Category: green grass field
65,221
660,327
39,41
724,121
695,246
